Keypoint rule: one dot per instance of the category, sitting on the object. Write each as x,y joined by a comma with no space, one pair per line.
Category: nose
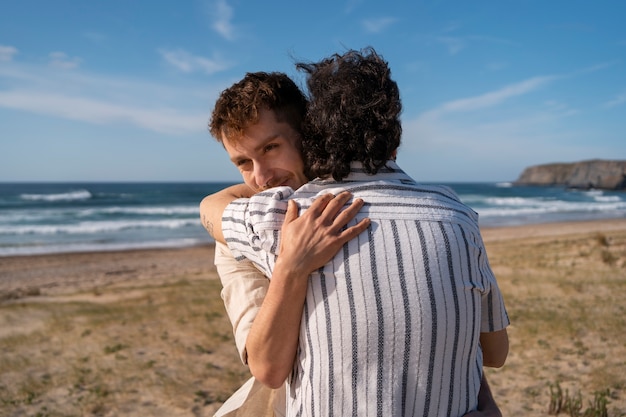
262,176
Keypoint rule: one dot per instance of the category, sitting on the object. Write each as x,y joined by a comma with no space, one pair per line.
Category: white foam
93,227
68,196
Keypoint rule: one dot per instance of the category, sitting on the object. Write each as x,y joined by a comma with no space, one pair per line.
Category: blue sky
122,90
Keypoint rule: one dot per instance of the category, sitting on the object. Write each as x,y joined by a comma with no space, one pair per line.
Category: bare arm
495,346
307,243
212,207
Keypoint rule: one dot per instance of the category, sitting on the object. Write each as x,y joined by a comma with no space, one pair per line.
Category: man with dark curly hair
394,324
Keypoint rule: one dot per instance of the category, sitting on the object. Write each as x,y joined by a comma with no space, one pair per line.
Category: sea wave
162,210
92,227
607,198
516,208
56,215
67,196
514,201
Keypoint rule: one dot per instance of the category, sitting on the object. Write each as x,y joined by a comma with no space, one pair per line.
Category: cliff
600,174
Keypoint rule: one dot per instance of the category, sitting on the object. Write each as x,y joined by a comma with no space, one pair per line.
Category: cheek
296,161
248,179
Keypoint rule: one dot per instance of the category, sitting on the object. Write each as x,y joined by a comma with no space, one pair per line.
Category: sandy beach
144,333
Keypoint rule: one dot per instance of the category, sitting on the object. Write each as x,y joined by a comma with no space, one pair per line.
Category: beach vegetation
165,346
565,300
120,345
561,402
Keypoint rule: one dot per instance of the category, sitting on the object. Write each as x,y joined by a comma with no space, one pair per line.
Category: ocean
41,218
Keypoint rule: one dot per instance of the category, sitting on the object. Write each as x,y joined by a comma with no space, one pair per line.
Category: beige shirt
243,290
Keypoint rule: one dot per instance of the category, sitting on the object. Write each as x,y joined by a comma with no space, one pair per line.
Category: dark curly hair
239,105
353,114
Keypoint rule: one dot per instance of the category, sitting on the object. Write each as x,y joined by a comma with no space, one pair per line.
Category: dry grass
162,350
126,343
565,297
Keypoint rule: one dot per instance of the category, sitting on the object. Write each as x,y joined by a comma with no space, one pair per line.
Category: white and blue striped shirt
391,325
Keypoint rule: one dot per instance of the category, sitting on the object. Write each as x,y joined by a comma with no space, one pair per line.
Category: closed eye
270,146
241,162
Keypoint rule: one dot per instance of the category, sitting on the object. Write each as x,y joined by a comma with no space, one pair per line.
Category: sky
118,90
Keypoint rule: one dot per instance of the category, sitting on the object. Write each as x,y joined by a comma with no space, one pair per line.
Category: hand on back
313,239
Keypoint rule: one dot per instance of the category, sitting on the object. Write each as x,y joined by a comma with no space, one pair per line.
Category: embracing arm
495,346
307,243
212,207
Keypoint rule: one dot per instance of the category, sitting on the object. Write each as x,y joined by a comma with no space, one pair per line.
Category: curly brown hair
239,105
353,114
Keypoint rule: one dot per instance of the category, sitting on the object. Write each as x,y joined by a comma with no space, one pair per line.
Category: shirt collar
390,172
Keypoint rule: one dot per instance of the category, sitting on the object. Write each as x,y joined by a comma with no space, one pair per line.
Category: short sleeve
494,314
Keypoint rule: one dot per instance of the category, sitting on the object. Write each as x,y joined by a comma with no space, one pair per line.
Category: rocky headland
596,173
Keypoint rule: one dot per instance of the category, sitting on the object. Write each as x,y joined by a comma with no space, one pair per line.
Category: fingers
353,231
328,209
349,213
320,203
328,205
292,211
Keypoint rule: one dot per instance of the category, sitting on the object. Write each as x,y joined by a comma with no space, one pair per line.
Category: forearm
212,207
495,347
273,340
308,242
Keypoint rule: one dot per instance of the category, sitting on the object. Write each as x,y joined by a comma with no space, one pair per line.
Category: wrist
290,275
289,267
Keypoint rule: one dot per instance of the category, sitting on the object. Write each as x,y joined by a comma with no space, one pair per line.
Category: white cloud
7,52
154,106
222,20
351,5
559,108
454,44
593,68
161,120
95,36
475,144
378,25
62,61
486,147
496,65
489,99
186,62
492,39
619,100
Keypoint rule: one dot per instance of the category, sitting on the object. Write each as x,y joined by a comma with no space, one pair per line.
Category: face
267,154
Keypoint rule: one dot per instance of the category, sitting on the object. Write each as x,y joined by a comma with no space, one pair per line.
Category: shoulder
267,209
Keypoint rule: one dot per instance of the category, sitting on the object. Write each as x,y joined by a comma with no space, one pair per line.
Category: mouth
284,182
